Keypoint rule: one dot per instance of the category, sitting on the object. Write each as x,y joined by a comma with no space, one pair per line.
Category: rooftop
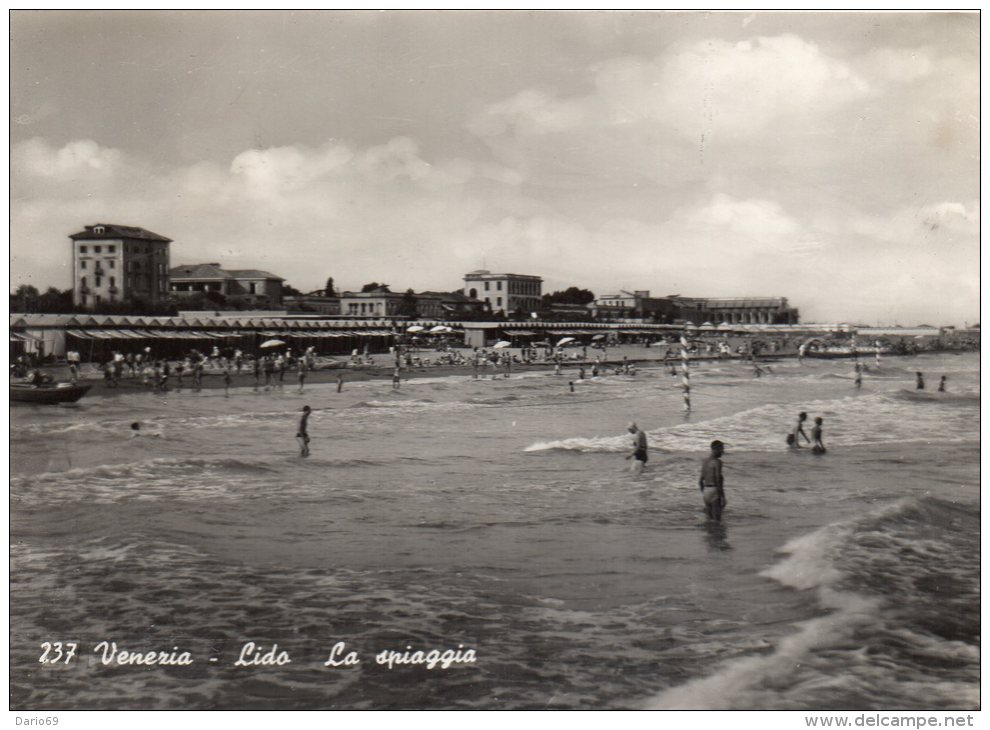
213,271
115,230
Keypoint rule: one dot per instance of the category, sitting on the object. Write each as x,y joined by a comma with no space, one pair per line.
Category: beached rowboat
47,392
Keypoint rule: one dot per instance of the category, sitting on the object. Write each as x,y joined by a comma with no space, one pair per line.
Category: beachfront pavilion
95,337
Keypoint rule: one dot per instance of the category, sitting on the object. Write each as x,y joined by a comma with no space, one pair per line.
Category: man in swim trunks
639,448
302,435
711,483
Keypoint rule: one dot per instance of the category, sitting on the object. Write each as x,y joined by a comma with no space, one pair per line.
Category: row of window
112,263
98,281
135,266
516,287
365,308
132,249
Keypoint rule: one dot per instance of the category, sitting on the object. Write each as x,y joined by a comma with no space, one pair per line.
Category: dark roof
213,271
252,274
198,271
449,296
113,230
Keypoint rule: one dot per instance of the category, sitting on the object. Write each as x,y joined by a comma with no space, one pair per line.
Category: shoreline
363,373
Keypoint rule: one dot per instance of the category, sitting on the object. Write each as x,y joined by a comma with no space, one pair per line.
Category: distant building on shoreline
506,293
252,286
113,263
383,302
696,310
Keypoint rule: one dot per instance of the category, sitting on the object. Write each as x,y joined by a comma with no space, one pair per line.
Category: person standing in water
711,483
792,438
302,374
816,436
859,376
941,384
638,455
919,381
340,383
302,435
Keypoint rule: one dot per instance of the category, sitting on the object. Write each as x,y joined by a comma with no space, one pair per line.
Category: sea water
499,517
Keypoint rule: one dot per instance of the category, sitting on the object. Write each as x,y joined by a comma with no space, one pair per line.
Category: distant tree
570,295
290,291
55,301
407,307
374,285
24,299
328,290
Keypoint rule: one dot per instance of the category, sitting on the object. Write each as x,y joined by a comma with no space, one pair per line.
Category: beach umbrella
272,343
415,328
598,337
564,341
501,344
441,328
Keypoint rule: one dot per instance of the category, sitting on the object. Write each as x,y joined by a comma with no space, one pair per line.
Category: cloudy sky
829,158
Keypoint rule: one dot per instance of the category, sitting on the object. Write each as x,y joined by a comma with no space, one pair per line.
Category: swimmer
639,449
572,385
136,431
941,384
859,375
711,482
919,382
816,434
302,435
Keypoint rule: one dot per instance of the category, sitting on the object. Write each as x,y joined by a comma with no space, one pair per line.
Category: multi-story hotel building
505,293
114,263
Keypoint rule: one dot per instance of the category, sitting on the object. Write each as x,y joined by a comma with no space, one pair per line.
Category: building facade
639,303
695,310
743,310
115,263
259,288
506,293
446,305
379,302
318,303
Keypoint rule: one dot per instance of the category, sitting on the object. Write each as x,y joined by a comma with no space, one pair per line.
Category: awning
520,333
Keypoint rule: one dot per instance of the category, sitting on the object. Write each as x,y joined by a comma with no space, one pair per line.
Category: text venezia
340,656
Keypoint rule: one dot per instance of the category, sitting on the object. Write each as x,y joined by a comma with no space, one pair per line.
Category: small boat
47,392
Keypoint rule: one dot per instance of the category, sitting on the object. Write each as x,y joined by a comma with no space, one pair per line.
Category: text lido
252,654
